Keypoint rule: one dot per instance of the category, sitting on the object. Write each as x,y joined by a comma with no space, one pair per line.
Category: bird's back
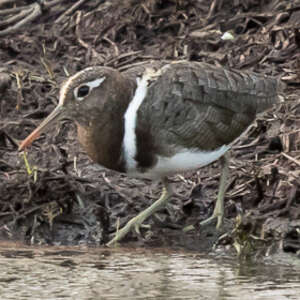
202,107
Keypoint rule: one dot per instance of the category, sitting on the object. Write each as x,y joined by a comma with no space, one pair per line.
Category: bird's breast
103,147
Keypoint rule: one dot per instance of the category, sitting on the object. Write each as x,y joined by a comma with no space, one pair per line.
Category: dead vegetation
60,197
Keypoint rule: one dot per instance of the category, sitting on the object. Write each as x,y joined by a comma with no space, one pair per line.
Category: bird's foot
219,207
218,216
134,224
207,221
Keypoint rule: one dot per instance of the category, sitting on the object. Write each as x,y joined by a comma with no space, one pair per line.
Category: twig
35,11
213,6
117,52
69,11
49,4
46,64
80,40
9,11
20,95
30,211
297,162
122,56
116,189
3,2
23,14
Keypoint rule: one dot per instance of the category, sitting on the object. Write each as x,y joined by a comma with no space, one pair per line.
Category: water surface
71,273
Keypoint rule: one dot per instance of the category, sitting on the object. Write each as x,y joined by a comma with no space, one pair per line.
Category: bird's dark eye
83,91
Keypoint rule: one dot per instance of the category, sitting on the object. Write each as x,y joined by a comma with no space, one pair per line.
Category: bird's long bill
55,115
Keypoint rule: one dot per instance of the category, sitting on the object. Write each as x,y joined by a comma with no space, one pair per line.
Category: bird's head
83,98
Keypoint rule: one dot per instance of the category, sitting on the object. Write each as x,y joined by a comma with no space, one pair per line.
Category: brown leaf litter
59,197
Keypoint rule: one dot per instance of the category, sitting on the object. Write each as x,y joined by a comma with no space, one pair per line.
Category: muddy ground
55,195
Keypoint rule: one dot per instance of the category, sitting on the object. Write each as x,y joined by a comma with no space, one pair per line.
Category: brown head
84,98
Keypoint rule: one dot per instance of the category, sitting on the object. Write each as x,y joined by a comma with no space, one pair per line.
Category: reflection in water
48,273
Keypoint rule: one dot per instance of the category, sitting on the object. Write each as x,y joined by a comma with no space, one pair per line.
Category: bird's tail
269,92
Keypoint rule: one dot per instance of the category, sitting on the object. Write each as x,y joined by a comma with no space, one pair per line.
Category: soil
55,195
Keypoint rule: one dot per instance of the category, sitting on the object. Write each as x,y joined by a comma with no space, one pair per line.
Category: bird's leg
140,218
219,207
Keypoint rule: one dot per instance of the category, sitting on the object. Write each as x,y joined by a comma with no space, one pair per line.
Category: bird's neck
102,137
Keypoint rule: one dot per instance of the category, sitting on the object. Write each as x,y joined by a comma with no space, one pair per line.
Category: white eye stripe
95,83
91,84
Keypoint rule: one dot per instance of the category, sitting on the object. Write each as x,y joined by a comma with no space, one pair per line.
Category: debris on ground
53,194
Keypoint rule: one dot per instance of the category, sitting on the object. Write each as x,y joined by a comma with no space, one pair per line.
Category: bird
160,119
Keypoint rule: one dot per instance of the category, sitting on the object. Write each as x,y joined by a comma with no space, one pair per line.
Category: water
70,273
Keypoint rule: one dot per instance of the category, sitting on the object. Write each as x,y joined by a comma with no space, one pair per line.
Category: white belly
184,160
